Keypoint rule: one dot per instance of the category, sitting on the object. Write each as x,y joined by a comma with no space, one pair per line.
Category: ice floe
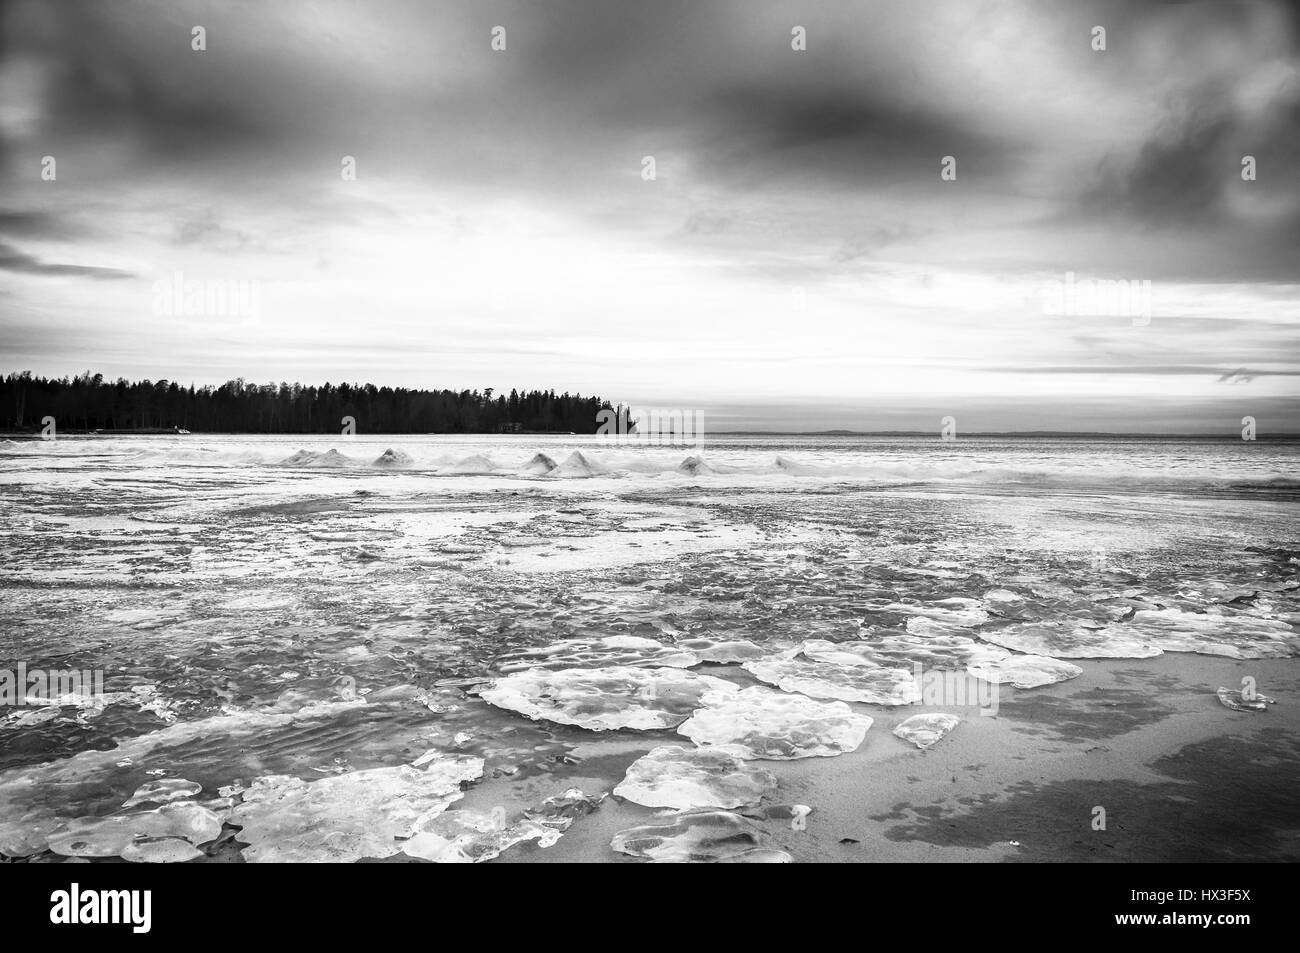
856,682
600,652
1234,634
684,778
777,726
1025,671
606,698
110,835
1071,640
925,730
346,817
695,837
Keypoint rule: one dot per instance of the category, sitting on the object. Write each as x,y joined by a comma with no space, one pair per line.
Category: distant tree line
89,402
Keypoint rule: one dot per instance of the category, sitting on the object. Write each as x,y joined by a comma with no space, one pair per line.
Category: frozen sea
335,648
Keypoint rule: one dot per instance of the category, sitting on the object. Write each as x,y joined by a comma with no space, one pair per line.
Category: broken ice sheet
956,611
905,650
925,730
695,837
1237,701
777,726
346,817
599,653
854,682
467,837
1230,633
684,778
606,698
110,835
1069,640
1025,671
471,837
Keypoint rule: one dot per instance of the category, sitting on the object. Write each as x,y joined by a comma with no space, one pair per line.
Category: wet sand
1181,777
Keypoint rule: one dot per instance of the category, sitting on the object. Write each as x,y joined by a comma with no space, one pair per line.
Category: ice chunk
694,466
599,653
1068,640
539,465
696,837
346,817
606,698
777,726
578,465
1237,701
330,458
925,730
561,810
163,790
476,463
393,458
873,684
683,778
1025,671
110,835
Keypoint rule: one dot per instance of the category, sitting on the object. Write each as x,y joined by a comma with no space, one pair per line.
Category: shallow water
263,609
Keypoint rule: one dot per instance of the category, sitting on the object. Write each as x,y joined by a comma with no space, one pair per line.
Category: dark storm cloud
32,224
11,259
836,139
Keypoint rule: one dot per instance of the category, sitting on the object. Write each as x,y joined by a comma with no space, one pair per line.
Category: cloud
11,259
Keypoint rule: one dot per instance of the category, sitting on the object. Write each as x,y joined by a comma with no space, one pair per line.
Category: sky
797,261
